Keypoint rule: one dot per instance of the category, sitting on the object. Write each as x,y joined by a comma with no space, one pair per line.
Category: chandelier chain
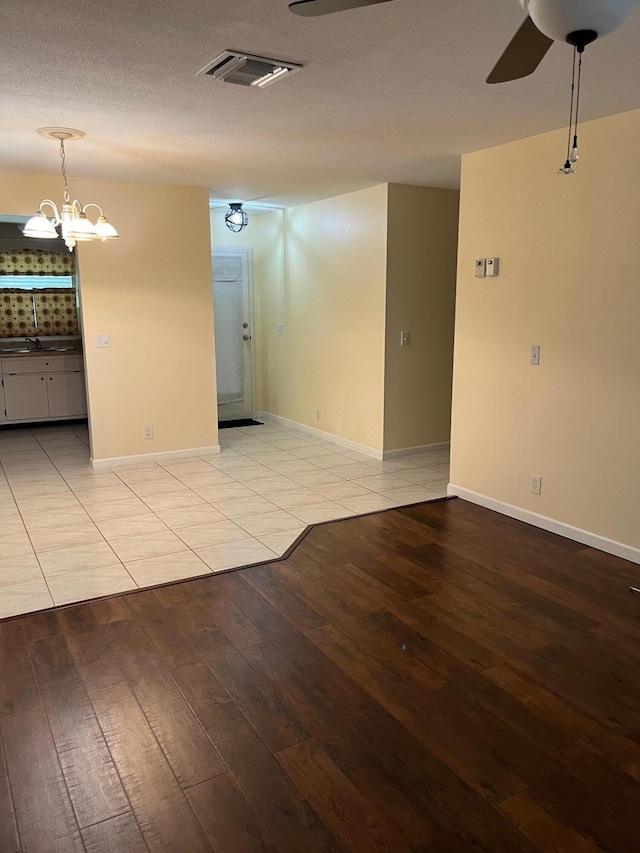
67,198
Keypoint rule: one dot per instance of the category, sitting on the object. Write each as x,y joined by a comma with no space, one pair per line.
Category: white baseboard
601,543
410,451
163,456
328,436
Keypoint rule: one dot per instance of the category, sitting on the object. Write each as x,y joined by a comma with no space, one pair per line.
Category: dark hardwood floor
436,678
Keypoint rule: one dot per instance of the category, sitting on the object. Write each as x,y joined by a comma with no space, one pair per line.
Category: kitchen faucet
35,341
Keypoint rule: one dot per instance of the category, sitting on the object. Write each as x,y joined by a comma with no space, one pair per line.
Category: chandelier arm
52,205
92,204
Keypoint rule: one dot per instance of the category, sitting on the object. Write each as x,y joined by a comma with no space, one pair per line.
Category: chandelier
74,223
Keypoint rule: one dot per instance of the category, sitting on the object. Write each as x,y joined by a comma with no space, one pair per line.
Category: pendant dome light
236,218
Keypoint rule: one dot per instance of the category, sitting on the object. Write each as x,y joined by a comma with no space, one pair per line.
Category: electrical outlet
536,484
317,414
103,341
147,432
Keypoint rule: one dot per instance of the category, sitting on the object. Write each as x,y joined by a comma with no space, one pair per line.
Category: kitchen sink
37,349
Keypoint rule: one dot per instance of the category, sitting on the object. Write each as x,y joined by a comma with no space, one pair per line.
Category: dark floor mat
240,423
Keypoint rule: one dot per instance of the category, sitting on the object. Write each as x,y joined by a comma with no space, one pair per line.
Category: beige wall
151,292
421,280
331,299
569,282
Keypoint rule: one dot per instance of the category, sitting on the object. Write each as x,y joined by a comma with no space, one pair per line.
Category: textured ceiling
394,92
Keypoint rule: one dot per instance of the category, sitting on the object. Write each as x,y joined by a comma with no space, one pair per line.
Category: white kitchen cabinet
25,397
42,388
66,394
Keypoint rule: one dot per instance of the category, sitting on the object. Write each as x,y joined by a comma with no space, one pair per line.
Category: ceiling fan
578,22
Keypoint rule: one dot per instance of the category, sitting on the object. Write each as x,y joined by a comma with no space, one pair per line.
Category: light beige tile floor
69,533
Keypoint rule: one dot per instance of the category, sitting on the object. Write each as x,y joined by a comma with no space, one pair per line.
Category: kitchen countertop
40,353
16,352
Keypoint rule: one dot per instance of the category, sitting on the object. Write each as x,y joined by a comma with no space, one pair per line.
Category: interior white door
233,312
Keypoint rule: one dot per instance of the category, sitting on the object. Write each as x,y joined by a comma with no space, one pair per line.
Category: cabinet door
26,397
67,397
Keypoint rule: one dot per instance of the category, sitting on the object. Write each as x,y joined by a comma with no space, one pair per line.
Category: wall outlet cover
103,341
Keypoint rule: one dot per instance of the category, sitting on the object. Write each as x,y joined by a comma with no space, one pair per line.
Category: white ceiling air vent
244,69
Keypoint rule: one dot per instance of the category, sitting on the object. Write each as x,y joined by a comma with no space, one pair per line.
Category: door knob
246,337
245,325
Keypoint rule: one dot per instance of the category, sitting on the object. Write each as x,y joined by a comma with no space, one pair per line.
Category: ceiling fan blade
524,53
313,8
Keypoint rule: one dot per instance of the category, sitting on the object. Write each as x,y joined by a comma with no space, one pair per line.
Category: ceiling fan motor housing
559,18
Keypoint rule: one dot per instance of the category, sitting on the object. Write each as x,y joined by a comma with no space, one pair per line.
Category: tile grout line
92,522
35,554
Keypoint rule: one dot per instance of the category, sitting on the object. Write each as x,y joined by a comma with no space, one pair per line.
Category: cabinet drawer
28,364
65,363
42,364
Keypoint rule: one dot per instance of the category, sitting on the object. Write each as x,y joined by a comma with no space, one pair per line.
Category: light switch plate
103,341
481,268
493,266
405,339
535,355
280,330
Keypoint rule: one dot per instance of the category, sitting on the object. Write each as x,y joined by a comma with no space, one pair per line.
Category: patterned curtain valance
35,262
38,312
